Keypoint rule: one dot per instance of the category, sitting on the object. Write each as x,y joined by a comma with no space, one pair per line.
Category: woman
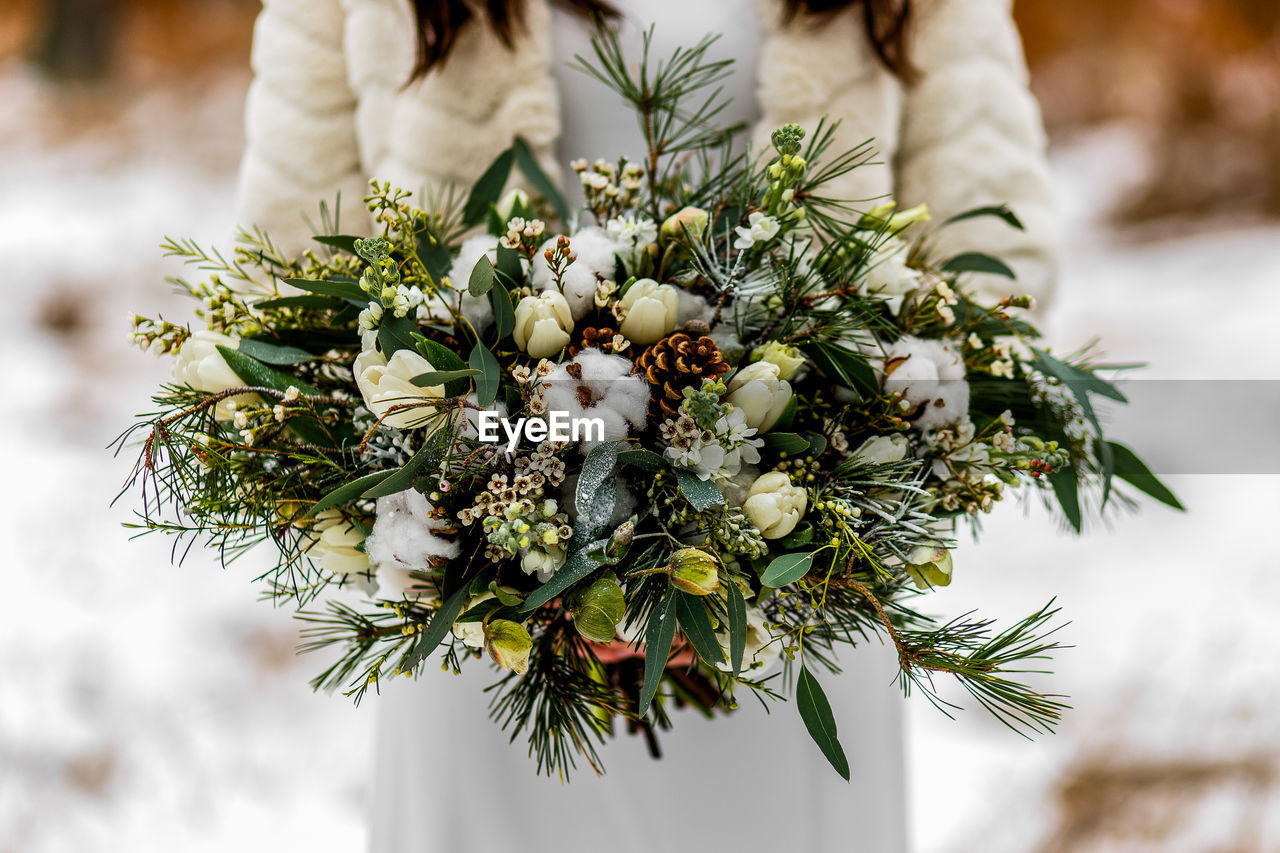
940,87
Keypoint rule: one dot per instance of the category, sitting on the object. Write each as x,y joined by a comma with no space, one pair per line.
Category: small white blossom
760,228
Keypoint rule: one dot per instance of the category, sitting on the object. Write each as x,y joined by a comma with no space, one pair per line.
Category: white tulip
788,358
761,393
882,449
775,505
543,324
333,545
385,384
650,311
200,366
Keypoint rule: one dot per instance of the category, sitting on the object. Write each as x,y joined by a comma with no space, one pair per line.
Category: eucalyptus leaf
646,459
701,494
538,179
254,372
787,442
484,364
659,634
1067,491
696,625
488,188
342,242
269,353
737,626
998,211
440,377
397,333
575,569
815,710
348,492
437,628
979,263
482,277
1134,471
340,289
427,459
787,569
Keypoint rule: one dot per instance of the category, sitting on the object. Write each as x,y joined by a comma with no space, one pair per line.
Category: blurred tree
76,38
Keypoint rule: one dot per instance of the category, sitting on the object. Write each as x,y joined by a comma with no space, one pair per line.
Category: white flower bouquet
682,445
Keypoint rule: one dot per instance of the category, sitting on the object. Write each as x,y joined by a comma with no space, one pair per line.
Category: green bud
694,571
598,609
929,567
508,643
620,541
690,222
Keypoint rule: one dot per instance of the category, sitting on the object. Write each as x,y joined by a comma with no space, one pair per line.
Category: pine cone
600,338
675,363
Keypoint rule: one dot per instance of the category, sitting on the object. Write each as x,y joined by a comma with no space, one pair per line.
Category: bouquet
677,447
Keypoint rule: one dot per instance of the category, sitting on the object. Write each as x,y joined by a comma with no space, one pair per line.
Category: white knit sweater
329,109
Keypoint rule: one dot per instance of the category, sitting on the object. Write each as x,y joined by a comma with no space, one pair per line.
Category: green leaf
445,360
307,300
843,365
999,211
538,179
1075,377
799,537
787,569
815,710
274,353
426,459
507,598
1067,490
488,189
397,333
696,625
659,634
342,242
575,569
434,254
978,262
700,494
482,277
340,289
504,313
254,372
787,442
1134,471
646,459
509,269
485,364
596,495
737,626
440,377
348,492
438,627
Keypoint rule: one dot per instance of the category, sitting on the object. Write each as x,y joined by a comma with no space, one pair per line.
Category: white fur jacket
329,109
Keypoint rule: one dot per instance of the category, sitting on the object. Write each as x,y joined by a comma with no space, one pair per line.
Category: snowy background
151,707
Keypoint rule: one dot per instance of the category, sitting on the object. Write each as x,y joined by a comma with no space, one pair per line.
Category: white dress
448,780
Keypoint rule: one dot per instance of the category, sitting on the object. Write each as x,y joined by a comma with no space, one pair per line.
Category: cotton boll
693,307
595,385
475,308
404,539
950,405
596,258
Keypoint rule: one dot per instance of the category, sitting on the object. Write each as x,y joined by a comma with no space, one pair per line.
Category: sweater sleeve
300,142
972,136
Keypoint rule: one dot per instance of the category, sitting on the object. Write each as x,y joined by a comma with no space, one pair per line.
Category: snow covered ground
145,706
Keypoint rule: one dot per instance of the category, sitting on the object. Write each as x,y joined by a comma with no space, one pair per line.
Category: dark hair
439,22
